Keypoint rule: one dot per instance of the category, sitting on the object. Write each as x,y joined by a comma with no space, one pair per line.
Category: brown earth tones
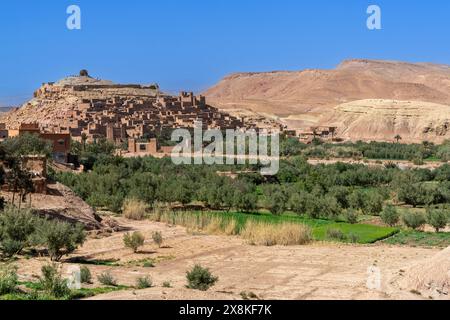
62,203
317,271
303,98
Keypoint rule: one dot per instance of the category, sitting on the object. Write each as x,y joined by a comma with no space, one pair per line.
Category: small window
142,147
61,142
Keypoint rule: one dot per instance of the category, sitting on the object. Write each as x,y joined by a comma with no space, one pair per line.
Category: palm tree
398,138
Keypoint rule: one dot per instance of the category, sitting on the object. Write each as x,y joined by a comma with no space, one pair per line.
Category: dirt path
318,271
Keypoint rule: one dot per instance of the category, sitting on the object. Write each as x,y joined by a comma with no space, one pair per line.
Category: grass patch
91,292
363,233
420,239
220,222
148,262
37,294
106,263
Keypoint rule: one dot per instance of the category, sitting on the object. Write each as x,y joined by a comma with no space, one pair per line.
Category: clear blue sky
191,44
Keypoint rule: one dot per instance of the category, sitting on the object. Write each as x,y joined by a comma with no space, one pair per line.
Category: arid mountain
383,120
307,97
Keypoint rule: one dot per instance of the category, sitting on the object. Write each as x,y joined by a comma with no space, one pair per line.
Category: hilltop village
85,109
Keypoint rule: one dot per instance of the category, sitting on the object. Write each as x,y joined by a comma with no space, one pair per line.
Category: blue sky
191,44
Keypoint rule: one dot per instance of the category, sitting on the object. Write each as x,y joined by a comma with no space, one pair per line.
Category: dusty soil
317,271
60,202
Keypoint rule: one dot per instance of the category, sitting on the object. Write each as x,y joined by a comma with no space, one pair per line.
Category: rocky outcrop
383,120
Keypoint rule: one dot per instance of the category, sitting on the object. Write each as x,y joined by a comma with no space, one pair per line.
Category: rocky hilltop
304,98
89,108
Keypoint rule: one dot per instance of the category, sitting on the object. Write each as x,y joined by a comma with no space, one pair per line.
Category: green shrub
157,238
390,216
85,274
52,283
335,234
413,220
437,218
60,238
11,247
372,203
144,283
418,161
148,264
351,216
200,278
353,238
134,241
107,279
16,230
167,284
8,280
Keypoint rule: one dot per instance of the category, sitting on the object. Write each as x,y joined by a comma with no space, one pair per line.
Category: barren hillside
382,120
302,98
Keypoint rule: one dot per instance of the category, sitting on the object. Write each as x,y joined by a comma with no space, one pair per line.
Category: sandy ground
317,271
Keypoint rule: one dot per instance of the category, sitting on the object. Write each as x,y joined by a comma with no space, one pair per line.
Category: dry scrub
197,222
286,234
134,209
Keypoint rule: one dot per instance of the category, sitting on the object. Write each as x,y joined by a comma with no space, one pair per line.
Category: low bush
413,220
107,279
167,284
335,234
144,283
60,238
390,216
85,275
200,278
437,218
52,283
16,230
351,216
157,238
134,241
134,209
8,280
353,238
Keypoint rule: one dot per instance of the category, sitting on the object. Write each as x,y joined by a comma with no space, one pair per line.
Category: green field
36,293
364,233
420,239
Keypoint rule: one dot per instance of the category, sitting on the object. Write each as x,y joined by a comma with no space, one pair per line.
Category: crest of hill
300,99
286,93
83,80
55,100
